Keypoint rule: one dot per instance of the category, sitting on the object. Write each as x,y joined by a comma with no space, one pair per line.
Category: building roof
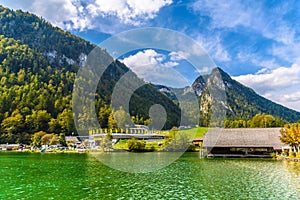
243,137
197,139
72,138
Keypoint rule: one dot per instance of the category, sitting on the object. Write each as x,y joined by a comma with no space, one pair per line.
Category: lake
81,176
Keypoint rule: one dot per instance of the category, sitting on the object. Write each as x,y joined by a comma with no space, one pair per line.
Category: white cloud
279,78
100,14
232,13
180,55
203,70
289,53
280,85
149,59
56,10
229,14
66,14
128,11
270,23
213,45
263,71
295,97
257,60
267,64
155,67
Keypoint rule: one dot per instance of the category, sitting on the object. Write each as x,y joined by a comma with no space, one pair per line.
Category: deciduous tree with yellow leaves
290,135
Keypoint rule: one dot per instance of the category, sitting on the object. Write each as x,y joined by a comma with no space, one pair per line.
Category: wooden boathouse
242,142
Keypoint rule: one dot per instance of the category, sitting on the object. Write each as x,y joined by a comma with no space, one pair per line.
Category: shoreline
39,151
288,159
83,151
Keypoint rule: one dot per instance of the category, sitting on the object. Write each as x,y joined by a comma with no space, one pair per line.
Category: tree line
258,121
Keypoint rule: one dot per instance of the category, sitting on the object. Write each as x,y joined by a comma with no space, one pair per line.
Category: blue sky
256,42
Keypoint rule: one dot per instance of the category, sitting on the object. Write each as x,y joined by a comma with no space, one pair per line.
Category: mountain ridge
242,102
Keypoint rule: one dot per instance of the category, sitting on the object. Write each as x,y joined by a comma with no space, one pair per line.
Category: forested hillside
240,102
38,65
33,95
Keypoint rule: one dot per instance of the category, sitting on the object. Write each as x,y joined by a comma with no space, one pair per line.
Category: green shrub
136,145
293,154
273,155
191,148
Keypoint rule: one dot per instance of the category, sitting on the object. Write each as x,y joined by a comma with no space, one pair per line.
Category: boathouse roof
243,137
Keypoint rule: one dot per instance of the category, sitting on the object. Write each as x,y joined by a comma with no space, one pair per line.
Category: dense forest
38,65
33,98
258,121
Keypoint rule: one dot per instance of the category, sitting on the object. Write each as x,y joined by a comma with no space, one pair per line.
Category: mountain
239,101
38,65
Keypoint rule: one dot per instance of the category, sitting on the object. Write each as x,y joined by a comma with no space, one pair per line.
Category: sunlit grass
122,144
197,132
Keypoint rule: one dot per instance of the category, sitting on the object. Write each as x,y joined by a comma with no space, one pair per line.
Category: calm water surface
81,176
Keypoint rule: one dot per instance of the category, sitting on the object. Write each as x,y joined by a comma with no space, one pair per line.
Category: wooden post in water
202,153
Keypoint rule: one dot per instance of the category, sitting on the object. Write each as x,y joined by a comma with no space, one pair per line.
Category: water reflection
63,176
137,162
293,167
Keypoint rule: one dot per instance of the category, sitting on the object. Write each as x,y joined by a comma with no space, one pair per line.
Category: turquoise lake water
81,176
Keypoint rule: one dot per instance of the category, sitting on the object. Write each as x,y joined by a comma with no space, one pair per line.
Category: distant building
242,142
139,129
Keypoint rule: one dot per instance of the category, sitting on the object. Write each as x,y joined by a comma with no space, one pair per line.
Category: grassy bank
160,145
197,132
